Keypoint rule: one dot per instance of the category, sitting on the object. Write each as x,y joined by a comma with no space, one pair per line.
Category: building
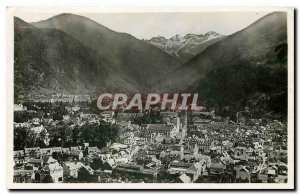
32,152
242,173
93,150
52,168
33,164
184,179
135,170
19,157
24,176
49,151
195,171
70,169
155,130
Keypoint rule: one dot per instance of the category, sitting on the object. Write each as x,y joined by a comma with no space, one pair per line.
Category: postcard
150,98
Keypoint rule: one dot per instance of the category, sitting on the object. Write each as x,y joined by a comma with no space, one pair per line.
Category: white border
9,95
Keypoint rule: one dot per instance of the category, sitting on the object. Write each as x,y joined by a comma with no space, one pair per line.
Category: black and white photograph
189,98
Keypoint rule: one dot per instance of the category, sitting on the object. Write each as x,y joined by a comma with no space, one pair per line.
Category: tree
96,164
47,179
84,175
86,151
281,51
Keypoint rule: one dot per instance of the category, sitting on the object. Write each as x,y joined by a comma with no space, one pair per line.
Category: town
74,142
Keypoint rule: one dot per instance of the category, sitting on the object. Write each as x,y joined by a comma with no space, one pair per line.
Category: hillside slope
50,61
134,60
254,44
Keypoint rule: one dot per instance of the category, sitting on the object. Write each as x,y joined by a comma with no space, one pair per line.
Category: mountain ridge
186,47
248,44
51,61
133,59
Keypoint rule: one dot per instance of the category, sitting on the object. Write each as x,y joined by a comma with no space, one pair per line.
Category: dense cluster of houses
185,148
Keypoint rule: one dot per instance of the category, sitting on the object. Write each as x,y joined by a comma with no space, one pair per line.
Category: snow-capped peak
176,38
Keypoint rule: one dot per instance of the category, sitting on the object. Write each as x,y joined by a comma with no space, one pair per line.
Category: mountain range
49,61
129,58
76,55
186,47
254,44
108,60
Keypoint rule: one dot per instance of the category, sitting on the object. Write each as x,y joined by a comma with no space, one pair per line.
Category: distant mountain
184,48
134,61
51,61
20,25
254,44
73,54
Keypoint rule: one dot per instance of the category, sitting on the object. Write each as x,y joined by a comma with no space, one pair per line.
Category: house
25,124
65,150
118,146
129,140
257,145
86,145
110,164
176,155
93,150
178,167
70,169
32,152
75,148
24,176
52,168
19,108
89,169
204,147
49,151
121,158
243,173
19,157
270,153
152,162
239,151
262,175
249,151
227,159
195,171
33,164
282,168
184,179
158,129
217,149
37,130
135,170
76,154
281,179
171,140
217,168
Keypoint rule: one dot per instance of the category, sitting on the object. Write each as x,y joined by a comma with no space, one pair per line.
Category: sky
167,24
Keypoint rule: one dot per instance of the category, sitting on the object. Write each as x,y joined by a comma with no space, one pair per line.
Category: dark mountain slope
254,44
134,60
50,61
